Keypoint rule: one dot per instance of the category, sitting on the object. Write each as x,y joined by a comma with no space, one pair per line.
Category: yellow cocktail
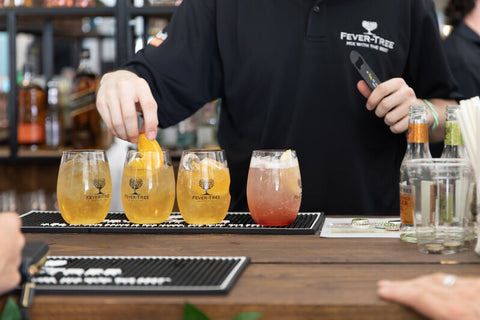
148,189
203,186
84,187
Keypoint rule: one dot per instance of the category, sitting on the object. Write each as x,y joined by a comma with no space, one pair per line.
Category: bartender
283,72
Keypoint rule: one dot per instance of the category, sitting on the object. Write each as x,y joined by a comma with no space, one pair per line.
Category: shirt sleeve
427,67
181,64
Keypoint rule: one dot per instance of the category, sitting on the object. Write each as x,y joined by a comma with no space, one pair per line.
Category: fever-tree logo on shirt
369,26
367,39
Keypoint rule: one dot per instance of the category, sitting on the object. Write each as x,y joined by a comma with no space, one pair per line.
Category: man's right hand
12,242
120,95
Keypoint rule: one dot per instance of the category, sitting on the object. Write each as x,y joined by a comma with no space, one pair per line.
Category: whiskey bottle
86,131
417,148
32,110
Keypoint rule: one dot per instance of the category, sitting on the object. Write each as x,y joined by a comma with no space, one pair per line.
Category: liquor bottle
54,119
86,131
453,141
4,89
17,3
84,3
417,148
58,3
32,110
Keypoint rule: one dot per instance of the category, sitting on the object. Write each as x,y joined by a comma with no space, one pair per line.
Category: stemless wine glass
148,186
84,186
274,187
203,184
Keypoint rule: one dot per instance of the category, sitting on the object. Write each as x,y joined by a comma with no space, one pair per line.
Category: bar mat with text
170,275
117,222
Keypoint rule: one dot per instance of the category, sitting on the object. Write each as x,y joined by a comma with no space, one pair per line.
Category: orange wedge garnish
152,160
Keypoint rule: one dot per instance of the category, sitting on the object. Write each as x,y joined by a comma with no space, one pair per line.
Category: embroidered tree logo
369,26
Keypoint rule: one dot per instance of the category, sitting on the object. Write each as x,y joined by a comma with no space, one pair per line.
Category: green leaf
190,312
248,316
11,311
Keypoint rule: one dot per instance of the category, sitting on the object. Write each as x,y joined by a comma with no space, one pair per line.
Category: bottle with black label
86,131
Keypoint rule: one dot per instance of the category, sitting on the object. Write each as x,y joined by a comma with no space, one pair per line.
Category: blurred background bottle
54,119
32,109
207,122
4,89
86,129
85,3
58,3
417,148
17,3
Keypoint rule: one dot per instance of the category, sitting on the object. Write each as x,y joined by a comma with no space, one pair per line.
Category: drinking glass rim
202,151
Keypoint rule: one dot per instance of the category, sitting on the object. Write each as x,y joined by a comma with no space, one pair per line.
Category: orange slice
153,160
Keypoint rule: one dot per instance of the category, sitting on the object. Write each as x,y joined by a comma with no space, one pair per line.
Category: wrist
434,115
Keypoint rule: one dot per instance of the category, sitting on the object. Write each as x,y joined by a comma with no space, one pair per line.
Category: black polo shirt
283,72
463,53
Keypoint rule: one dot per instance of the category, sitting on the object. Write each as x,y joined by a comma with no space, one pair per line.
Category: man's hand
391,101
120,95
12,242
433,297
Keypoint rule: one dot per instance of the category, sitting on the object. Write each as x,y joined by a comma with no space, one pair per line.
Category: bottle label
406,204
29,133
417,133
82,102
453,135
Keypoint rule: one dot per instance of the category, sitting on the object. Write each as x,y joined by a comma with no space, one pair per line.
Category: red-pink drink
274,188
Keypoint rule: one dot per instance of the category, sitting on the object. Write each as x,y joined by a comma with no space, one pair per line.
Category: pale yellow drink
148,194
203,189
84,189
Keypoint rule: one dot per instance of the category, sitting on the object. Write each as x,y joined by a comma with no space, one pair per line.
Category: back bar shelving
122,11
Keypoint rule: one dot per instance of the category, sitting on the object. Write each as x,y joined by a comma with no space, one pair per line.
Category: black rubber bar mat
127,275
117,222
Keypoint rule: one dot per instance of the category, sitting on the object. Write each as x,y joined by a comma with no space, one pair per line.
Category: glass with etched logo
84,186
203,185
274,187
148,186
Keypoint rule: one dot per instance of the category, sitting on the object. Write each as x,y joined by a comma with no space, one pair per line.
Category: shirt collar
465,32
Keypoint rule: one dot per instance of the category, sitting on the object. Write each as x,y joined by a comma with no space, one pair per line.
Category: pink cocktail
274,187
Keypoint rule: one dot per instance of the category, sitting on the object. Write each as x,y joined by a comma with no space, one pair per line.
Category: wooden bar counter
289,277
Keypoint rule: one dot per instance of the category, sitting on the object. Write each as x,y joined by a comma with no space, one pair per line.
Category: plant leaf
190,312
248,316
11,311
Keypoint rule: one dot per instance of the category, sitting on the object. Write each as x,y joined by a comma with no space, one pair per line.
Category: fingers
118,94
10,252
391,100
149,109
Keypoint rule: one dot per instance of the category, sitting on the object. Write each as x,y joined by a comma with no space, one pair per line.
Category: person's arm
170,79
437,296
12,242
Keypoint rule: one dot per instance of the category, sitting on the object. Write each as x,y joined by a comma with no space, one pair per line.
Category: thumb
363,88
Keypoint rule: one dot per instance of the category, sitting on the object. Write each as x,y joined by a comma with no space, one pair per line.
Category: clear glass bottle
32,109
86,131
417,148
54,119
453,142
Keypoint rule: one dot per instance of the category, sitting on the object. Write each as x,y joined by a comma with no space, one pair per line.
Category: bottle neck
417,141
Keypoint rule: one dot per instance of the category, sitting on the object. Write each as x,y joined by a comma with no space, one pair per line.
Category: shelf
156,11
58,12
